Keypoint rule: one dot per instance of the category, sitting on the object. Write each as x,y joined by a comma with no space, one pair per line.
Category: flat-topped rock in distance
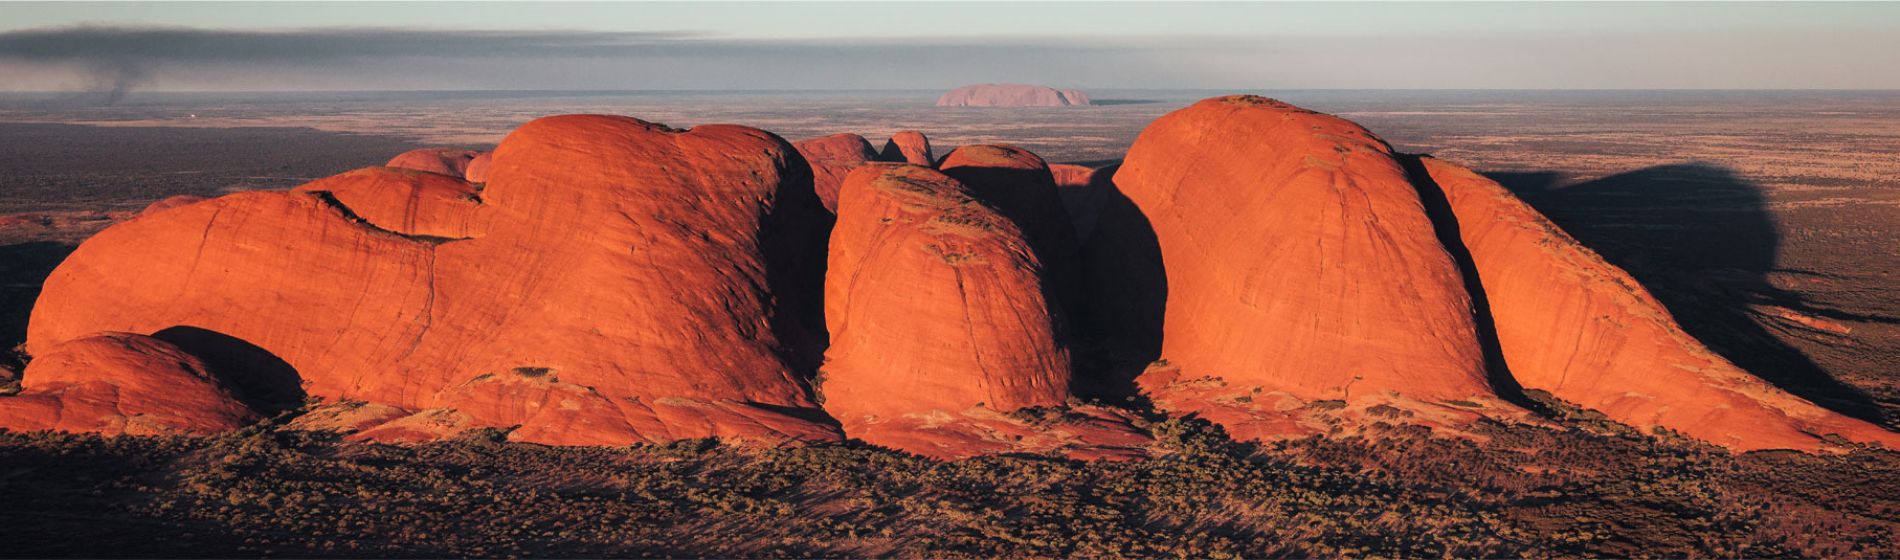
1011,95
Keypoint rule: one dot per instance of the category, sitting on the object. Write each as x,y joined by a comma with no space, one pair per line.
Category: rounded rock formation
406,202
1011,95
645,284
831,158
1571,324
1300,267
939,324
477,171
908,146
122,383
441,161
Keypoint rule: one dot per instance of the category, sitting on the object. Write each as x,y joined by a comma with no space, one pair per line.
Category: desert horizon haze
934,279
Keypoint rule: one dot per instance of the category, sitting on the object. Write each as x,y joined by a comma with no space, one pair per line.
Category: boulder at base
122,383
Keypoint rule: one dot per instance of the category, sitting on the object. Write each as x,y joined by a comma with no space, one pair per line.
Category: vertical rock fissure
1445,226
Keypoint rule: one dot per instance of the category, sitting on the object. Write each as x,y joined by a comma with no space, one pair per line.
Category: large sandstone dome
602,280
1011,95
615,282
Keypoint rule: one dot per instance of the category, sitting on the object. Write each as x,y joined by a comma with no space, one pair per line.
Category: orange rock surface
831,158
1011,95
1299,260
172,202
121,383
647,284
477,171
407,202
441,161
1585,331
908,146
1018,184
938,320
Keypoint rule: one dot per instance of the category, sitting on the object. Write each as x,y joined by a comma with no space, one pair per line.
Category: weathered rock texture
441,161
631,283
939,324
1299,262
1011,95
831,158
407,202
908,146
1573,325
121,383
1018,184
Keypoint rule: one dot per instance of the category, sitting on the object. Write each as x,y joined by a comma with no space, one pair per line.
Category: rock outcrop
1300,267
441,161
831,158
1018,184
940,329
477,171
121,383
1571,324
172,202
407,202
1011,95
908,146
631,283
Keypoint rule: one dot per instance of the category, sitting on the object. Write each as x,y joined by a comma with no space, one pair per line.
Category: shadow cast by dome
1702,240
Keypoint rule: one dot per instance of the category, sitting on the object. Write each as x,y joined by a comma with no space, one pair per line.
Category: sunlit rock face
614,282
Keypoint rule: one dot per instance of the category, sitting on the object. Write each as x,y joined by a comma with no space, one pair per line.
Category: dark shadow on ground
1702,240
23,269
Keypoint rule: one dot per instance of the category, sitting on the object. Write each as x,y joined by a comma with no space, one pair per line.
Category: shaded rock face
940,328
441,161
122,383
1011,95
1299,262
1571,324
1084,191
1018,184
628,283
908,146
831,158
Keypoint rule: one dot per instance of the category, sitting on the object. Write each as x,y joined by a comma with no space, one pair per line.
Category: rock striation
1300,267
1011,95
627,283
1575,326
831,158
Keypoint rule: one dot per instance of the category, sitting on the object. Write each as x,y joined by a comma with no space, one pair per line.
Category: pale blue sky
934,45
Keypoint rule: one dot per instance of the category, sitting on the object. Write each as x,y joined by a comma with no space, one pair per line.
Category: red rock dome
644,283
1573,325
908,146
831,158
1300,267
121,383
442,161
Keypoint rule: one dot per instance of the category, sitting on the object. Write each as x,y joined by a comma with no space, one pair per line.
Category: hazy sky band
353,46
